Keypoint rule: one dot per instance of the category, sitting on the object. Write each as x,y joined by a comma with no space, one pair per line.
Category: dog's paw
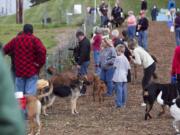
76,112
38,133
45,114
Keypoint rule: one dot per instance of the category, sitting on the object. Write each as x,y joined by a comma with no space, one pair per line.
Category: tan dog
99,87
34,107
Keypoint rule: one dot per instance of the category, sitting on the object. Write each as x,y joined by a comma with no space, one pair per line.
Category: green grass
135,4
47,34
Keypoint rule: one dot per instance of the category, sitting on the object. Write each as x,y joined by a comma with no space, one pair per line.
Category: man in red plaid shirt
29,55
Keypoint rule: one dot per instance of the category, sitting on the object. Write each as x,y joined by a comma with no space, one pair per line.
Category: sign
77,9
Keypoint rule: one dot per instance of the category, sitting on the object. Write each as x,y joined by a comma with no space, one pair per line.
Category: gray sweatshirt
107,57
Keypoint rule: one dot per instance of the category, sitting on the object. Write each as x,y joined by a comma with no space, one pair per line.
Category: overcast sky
11,5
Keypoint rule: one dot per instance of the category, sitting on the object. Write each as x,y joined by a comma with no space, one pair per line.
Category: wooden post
19,11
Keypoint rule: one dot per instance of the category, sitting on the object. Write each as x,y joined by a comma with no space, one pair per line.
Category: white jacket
142,57
122,66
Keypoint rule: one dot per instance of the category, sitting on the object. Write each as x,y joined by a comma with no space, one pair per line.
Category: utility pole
19,11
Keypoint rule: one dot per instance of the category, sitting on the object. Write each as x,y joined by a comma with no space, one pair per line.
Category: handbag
129,76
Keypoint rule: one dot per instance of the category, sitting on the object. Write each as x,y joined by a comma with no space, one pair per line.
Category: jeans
104,21
177,32
27,85
107,75
84,67
143,39
131,31
97,62
121,93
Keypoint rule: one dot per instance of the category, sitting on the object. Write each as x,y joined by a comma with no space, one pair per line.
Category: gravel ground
104,119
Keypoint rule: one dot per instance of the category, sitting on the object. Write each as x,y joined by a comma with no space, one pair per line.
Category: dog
175,113
164,93
63,91
99,87
34,106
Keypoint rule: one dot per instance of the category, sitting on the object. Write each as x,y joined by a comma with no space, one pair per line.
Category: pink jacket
131,21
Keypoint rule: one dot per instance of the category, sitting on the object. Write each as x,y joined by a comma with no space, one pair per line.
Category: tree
36,2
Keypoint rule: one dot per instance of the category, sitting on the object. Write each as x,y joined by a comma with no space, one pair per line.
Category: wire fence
62,58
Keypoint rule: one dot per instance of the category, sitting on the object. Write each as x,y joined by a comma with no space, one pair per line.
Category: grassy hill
56,9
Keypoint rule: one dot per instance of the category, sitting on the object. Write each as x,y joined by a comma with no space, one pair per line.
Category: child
122,66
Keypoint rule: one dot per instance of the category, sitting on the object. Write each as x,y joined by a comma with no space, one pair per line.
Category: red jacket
176,61
29,54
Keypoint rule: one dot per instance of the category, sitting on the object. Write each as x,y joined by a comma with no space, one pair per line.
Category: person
171,4
142,28
96,46
107,58
131,23
142,57
117,40
84,50
121,66
154,13
144,5
177,28
175,70
29,56
11,118
104,13
117,14
172,10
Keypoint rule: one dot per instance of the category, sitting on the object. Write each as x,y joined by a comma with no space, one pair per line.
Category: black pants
148,73
178,82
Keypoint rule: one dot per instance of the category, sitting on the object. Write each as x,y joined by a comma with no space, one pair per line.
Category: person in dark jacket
117,14
154,13
144,5
104,13
117,40
29,55
177,28
142,28
84,53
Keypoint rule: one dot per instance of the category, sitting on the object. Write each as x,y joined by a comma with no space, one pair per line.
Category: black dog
164,93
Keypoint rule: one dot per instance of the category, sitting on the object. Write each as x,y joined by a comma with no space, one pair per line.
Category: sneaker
143,104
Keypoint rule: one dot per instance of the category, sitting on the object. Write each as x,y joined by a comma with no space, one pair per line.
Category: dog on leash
34,107
99,87
163,93
64,91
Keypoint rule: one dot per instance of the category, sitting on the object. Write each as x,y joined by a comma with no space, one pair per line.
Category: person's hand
78,66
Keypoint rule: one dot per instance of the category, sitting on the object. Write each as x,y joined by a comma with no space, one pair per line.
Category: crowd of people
112,56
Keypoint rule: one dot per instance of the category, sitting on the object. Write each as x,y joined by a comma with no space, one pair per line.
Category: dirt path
105,119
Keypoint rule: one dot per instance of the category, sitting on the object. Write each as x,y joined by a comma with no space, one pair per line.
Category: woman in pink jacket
131,22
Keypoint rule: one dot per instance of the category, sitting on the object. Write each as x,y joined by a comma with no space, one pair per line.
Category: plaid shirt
29,54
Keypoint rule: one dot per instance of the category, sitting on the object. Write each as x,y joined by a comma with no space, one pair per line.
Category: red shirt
97,40
29,54
176,61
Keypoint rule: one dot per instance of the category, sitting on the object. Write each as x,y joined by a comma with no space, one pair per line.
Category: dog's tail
48,93
154,58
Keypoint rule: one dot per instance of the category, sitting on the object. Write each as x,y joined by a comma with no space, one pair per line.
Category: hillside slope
56,9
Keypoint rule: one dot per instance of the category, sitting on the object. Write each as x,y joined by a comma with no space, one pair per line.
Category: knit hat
130,12
115,33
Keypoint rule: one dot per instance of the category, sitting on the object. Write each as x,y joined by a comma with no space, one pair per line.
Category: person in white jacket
122,66
142,57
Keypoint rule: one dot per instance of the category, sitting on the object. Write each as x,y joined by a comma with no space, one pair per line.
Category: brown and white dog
34,107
